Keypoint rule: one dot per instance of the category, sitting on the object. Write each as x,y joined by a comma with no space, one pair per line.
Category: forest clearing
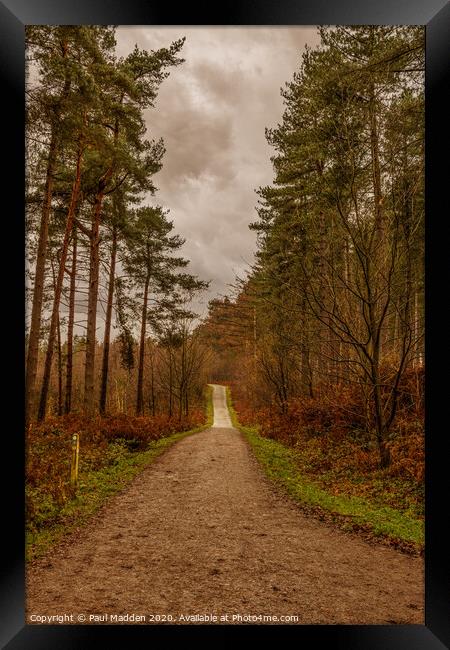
208,434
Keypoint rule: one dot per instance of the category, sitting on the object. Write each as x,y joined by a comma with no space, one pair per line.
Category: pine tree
130,86
151,265
335,230
79,136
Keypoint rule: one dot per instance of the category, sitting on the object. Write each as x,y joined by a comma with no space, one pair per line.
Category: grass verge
350,513
95,487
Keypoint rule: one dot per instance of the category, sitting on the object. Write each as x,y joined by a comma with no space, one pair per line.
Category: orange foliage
49,452
330,434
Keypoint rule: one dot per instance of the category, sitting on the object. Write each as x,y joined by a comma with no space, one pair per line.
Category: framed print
234,263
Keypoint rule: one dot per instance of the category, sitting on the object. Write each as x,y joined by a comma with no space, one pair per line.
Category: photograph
225,325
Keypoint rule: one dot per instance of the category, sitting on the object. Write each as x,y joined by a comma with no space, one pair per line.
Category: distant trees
88,165
151,266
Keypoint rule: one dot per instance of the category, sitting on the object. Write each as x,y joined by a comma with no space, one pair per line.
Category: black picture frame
435,14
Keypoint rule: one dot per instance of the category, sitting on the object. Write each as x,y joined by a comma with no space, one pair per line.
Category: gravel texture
202,532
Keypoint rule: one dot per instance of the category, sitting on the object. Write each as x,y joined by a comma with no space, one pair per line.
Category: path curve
202,531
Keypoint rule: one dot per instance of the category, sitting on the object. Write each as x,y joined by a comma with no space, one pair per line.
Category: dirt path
201,531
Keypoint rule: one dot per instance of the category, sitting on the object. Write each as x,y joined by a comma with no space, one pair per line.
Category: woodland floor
202,531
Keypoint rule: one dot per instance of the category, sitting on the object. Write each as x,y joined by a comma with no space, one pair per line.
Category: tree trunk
60,382
183,387
186,402
417,329
58,289
38,289
378,241
322,329
58,344
397,347
109,307
140,382
152,385
170,383
180,403
380,421
94,265
376,173
69,365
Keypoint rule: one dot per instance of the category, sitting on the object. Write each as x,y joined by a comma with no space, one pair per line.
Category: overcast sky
211,112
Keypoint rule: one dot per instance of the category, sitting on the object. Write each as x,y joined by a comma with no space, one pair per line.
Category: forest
321,343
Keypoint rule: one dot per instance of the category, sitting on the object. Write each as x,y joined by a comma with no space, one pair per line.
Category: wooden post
75,456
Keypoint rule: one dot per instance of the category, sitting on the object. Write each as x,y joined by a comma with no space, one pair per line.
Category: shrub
103,441
335,446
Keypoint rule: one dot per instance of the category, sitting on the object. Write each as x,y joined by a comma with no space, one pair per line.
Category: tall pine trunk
58,344
322,365
60,382
419,345
152,402
70,324
38,289
94,265
170,382
182,380
140,382
58,288
107,337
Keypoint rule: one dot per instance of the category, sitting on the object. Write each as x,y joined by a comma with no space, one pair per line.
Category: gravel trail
201,531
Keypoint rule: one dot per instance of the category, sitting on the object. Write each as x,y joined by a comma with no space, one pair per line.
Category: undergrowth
337,479
112,451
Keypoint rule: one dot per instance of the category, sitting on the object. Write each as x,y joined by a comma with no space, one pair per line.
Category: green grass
95,487
348,512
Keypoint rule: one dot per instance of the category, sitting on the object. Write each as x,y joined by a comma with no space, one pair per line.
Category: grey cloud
226,85
199,144
212,112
